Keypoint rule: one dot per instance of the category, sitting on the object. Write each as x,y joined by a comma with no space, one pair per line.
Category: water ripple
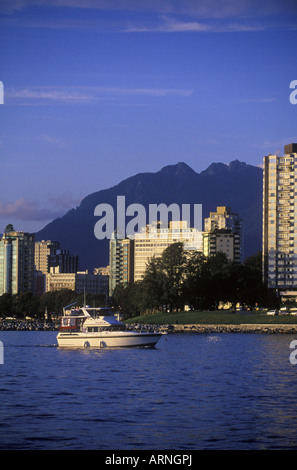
223,391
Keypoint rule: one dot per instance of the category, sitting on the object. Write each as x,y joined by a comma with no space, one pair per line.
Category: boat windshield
96,329
100,312
76,313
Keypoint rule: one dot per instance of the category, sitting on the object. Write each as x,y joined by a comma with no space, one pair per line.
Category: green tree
9,228
256,291
172,265
55,301
180,277
127,298
152,286
215,279
194,280
25,304
6,305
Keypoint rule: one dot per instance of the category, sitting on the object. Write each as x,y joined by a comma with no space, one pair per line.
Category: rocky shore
24,325
242,328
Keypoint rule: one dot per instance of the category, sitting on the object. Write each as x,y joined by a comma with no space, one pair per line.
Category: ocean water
192,392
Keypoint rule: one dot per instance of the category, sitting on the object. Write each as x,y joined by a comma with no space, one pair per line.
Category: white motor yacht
99,328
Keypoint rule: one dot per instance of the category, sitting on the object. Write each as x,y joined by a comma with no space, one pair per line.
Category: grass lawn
221,317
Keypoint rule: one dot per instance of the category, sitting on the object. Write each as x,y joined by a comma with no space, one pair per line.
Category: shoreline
241,328
198,328
195,328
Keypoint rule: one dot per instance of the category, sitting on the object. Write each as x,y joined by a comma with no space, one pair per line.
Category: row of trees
179,278
175,279
26,304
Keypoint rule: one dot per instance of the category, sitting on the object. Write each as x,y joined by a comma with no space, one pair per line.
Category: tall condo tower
280,220
16,262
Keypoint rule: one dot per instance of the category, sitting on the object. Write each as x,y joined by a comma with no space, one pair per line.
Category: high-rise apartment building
43,251
128,258
48,255
16,262
223,232
223,241
280,220
67,262
155,238
223,218
121,261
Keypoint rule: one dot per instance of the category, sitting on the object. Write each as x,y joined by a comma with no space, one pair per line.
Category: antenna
70,305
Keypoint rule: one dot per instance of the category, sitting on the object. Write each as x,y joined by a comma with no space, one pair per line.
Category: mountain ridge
238,185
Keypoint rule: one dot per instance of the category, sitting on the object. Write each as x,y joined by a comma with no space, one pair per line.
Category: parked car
272,312
283,311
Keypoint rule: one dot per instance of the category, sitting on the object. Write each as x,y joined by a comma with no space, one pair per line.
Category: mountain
237,185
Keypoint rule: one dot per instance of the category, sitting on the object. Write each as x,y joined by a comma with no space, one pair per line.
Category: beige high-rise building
280,220
43,251
222,241
154,239
223,218
223,232
48,254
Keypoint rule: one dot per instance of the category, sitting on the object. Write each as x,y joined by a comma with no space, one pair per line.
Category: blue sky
96,91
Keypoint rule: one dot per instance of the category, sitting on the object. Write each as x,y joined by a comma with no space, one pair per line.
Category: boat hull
114,340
